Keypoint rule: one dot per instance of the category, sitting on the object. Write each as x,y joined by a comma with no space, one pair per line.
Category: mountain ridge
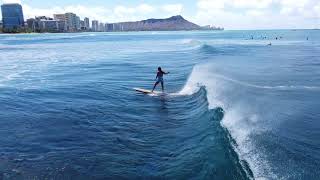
173,23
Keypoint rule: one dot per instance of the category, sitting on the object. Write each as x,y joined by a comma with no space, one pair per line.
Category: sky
230,14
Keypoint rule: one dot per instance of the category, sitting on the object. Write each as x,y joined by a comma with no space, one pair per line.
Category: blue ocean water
235,108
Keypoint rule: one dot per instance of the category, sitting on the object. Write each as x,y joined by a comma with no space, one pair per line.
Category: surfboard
145,91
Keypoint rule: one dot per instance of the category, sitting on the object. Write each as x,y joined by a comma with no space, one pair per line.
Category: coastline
110,31
218,30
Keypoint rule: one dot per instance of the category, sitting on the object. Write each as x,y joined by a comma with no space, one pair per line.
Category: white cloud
286,10
145,8
173,9
221,4
122,10
294,7
107,14
83,11
140,9
232,14
255,13
11,1
255,4
261,14
211,4
125,13
317,10
293,3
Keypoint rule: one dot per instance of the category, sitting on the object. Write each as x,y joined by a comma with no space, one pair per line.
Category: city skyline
231,14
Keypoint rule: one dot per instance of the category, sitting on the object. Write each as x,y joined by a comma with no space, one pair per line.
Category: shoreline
218,30
109,31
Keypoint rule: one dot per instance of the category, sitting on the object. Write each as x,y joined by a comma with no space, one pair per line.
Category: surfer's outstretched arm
165,72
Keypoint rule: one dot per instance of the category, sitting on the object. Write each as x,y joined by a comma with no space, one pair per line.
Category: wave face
235,108
250,113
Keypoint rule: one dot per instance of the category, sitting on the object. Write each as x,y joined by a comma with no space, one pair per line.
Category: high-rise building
12,16
60,17
46,24
71,21
31,23
101,27
49,25
106,27
87,23
61,26
78,25
109,27
117,27
82,26
62,21
95,25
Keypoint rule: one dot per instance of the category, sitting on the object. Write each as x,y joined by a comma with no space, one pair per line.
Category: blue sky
231,14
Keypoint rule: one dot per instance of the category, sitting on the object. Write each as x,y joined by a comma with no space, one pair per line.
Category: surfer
159,79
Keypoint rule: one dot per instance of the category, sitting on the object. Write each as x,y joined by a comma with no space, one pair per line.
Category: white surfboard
145,91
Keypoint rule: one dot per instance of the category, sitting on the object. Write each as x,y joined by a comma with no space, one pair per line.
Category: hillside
174,23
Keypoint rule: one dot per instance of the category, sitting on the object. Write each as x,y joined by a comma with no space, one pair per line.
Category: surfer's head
159,69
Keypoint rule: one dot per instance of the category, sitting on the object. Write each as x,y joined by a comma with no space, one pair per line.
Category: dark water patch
183,140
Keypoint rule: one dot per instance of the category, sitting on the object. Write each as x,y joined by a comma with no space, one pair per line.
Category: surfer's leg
155,85
162,86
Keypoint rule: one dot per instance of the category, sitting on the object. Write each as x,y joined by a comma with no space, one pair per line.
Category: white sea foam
11,76
240,119
191,42
281,87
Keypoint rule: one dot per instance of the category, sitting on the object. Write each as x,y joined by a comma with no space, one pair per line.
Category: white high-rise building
62,21
71,21
60,17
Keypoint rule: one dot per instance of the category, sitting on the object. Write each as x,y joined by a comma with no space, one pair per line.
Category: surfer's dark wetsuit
159,78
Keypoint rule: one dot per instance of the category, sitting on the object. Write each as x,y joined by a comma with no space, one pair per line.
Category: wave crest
239,120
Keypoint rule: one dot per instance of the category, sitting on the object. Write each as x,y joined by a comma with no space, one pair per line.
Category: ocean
238,105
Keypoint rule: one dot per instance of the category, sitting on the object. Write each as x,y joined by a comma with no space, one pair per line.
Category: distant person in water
159,78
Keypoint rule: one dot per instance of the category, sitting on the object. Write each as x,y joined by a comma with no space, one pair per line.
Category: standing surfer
159,79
